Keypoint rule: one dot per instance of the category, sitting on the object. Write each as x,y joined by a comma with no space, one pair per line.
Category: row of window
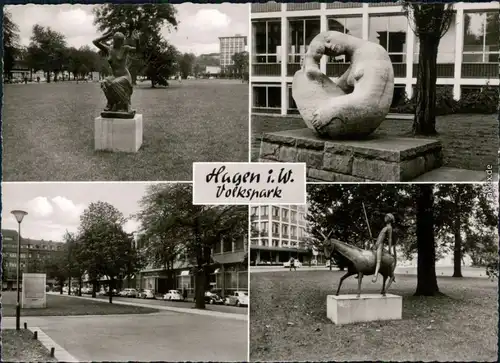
22,255
277,243
286,230
480,37
229,245
269,96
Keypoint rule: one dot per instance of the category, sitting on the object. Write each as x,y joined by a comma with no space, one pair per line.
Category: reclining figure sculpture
361,262
356,103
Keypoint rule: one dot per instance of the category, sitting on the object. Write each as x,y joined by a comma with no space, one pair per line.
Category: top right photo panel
377,92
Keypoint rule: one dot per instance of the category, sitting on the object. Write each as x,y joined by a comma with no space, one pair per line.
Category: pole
367,223
18,306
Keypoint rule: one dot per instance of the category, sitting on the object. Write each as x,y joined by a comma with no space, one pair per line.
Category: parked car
86,290
173,295
65,290
130,292
146,294
239,298
106,292
212,298
296,264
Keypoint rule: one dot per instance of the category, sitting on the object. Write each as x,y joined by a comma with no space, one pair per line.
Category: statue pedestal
348,309
118,134
377,158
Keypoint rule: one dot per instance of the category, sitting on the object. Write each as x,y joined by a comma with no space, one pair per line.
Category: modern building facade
278,233
34,253
468,54
229,46
230,271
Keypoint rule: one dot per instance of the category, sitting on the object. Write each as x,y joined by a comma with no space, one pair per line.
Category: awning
185,273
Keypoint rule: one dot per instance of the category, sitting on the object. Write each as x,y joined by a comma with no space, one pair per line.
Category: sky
200,25
54,208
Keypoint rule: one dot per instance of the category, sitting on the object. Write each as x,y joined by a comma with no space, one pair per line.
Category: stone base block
348,309
377,158
118,134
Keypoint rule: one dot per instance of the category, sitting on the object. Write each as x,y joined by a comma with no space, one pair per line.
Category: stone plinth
377,158
34,295
348,309
118,134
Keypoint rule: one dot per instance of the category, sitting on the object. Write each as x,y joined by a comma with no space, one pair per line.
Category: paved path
165,336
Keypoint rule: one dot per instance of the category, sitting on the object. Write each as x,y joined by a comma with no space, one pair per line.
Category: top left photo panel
123,92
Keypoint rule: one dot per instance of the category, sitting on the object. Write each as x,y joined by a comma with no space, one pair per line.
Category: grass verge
19,346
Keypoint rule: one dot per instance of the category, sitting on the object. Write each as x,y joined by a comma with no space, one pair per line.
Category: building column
459,46
284,60
223,282
257,257
410,45
365,20
323,27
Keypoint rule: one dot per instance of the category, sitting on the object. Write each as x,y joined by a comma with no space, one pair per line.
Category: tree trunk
69,285
110,290
80,285
426,261
424,122
457,248
94,288
200,288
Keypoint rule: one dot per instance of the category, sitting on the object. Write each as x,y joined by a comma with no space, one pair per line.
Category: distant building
212,70
34,253
230,46
278,233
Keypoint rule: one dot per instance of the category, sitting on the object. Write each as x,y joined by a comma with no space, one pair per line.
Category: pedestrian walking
292,264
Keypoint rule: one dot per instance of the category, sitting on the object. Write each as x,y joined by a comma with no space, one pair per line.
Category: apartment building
33,255
468,54
230,46
278,233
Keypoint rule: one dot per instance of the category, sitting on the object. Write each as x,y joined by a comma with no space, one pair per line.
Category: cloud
207,19
41,207
69,208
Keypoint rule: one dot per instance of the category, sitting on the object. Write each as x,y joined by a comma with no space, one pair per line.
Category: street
165,336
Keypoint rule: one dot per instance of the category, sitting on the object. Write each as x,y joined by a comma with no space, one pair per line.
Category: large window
267,41
300,34
481,36
390,32
352,26
265,96
446,48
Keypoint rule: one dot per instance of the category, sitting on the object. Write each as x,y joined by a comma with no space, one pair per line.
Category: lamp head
19,214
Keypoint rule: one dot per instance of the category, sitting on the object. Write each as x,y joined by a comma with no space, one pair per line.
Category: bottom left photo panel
122,272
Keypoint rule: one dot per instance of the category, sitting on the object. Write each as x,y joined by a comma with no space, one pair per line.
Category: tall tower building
230,46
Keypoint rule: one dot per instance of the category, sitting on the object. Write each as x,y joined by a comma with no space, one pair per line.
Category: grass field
48,131
288,321
60,305
19,346
469,141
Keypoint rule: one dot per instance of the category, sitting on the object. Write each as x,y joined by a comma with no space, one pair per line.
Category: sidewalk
193,311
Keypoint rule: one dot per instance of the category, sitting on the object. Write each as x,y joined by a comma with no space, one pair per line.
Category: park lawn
61,305
469,141
19,346
288,321
48,131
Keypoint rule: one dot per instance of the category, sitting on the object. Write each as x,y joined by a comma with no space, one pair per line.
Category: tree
161,64
241,61
105,249
426,262
47,50
430,22
198,228
186,64
147,20
458,208
56,268
10,44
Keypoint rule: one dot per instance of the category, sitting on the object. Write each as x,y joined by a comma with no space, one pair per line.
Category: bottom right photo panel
376,272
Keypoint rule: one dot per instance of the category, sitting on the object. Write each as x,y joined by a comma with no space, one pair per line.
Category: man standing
292,264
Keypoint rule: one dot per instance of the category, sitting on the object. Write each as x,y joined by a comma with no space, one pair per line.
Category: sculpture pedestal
118,134
377,158
348,309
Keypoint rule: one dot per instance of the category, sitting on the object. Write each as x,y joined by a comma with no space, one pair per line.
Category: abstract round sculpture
118,87
355,104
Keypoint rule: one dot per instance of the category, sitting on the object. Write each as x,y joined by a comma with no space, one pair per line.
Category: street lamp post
19,214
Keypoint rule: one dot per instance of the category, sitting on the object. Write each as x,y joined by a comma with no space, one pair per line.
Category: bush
483,101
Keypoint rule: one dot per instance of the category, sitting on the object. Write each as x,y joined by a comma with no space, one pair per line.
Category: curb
60,353
218,314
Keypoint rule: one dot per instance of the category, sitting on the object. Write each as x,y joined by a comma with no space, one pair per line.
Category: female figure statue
118,87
